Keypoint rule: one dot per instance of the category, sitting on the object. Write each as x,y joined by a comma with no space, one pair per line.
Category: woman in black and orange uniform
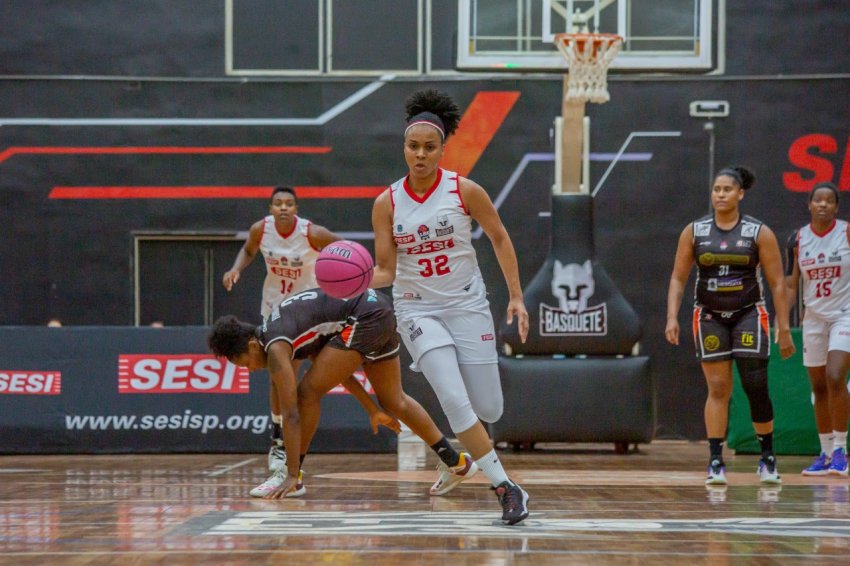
730,319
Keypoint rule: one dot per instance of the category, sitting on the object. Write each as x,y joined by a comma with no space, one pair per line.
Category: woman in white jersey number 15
423,245
822,258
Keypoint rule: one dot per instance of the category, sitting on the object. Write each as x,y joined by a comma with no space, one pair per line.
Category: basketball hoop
588,55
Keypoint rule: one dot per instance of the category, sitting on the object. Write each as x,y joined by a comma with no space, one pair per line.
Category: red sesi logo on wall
179,373
14,382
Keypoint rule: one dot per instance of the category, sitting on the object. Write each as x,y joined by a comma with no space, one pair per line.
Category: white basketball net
589,56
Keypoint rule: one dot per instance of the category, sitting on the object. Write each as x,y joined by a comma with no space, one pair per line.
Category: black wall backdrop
71,258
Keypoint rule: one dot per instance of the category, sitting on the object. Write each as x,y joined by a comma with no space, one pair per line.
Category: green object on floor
794,430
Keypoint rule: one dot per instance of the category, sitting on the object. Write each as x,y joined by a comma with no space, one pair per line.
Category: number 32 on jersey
438,265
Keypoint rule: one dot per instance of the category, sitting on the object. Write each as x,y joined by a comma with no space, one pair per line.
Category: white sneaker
449,478
275,481
277,458
767,470
716,473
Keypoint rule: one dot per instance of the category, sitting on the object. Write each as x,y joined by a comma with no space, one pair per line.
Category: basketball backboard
517,35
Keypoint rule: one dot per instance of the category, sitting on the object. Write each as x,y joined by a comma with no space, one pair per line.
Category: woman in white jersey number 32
423,245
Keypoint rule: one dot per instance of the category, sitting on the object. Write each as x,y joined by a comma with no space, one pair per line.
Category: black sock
277,433
715,447
446,452
766,441
301,459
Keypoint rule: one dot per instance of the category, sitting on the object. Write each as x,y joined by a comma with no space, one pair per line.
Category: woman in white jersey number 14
822,259
423,244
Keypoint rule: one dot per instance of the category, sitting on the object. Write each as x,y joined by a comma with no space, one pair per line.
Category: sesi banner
30,382
186,373
147,390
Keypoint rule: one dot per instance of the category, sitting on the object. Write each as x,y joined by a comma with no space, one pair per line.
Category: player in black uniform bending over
347,334
730,320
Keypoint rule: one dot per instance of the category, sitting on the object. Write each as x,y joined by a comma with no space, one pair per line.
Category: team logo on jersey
399,228
747,339
297,261
443,220
415,332
444,231
808,261
821,257
405,239
573,285
749,230
711,342
744,244
284,260
424,232
702,229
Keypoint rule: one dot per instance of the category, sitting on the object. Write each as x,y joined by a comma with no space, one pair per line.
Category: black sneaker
513,500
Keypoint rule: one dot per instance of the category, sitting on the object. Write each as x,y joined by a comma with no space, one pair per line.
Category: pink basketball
344,269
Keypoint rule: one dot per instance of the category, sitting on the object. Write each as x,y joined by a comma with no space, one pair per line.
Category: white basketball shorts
822,336
470,331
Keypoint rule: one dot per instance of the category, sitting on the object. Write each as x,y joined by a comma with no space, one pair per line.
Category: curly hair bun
434,102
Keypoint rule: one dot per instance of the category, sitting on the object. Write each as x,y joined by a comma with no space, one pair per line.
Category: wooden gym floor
588,505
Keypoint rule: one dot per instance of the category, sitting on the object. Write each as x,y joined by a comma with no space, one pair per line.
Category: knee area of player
491,413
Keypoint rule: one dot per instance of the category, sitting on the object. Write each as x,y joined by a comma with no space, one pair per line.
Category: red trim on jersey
459,196
304,339
347,334
697,313
764,320
847,232
285,236
825,232
428,193
392,200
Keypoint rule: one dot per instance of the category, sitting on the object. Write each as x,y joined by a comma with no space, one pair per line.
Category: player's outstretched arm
245,256
320,236
280,369
385,248
377,417
482,210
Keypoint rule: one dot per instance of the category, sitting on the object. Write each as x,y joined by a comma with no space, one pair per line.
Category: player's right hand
672,331
230,278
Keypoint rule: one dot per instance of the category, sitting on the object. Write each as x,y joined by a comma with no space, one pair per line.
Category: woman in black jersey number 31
730,320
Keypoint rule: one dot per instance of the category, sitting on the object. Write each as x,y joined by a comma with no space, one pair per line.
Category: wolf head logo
572,285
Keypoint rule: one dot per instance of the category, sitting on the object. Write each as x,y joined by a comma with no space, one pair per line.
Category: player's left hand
380,418
786,343
289,484
516,308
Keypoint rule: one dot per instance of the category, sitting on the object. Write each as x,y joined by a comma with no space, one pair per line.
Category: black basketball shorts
723,335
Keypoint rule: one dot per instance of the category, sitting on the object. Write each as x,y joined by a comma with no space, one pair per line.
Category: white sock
839,440
492,468
826,442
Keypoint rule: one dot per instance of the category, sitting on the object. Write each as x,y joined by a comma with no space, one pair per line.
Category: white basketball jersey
824,262
436,263
290,262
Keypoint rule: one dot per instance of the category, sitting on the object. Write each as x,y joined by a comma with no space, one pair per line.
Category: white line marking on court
323,118
484,524
20,470
226,469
